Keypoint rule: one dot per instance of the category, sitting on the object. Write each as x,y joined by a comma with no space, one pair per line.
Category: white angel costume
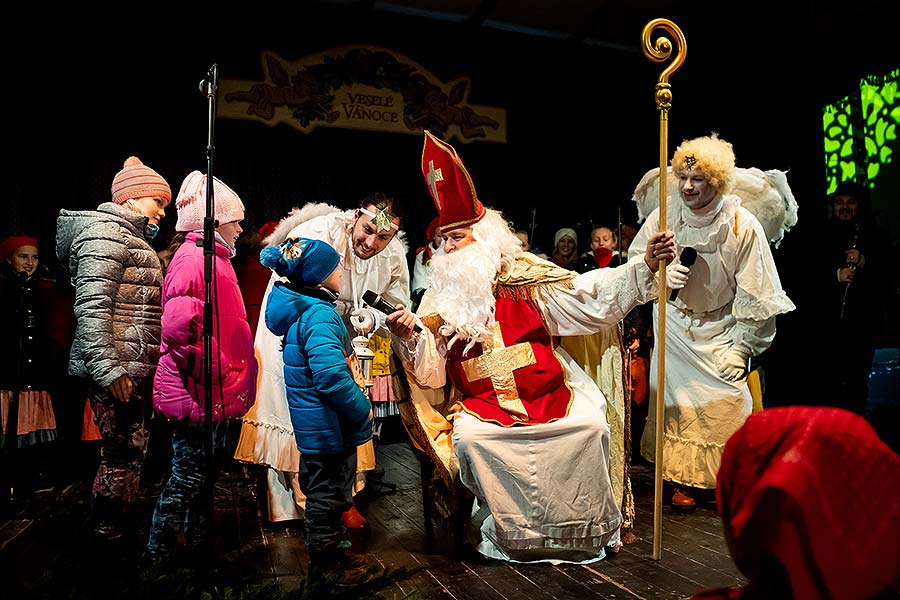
727,308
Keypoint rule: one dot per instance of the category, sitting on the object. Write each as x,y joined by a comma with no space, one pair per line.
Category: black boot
107,519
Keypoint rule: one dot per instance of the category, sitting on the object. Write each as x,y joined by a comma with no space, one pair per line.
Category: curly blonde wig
713,156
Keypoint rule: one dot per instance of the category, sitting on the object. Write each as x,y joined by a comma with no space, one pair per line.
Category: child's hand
121,388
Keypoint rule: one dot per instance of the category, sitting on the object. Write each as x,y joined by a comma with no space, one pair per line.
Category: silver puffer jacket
118,281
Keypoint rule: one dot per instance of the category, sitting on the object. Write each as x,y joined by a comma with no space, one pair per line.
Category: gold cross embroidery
434,175
498,362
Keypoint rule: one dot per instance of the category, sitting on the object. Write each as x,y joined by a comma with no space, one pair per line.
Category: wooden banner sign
360,87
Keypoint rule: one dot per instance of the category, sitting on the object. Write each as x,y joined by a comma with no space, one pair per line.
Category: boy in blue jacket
330,413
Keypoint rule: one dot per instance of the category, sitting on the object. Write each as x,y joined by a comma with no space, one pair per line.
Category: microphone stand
619,233
11,437
10,473
209,87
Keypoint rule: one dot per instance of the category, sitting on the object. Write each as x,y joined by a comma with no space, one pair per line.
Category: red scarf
602,256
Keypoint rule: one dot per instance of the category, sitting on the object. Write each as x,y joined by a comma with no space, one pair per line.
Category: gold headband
690,160
384,221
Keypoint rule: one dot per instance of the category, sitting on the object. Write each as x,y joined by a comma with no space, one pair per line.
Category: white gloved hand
676,276
733,365
363,321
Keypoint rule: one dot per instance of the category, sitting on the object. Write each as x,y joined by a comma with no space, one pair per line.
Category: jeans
185,504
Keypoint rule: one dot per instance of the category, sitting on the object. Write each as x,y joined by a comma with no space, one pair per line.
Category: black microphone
382,305
688,258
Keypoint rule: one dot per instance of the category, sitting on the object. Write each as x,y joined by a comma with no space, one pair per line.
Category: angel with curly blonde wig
710,154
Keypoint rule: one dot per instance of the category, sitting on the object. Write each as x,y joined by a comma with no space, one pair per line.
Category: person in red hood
795,491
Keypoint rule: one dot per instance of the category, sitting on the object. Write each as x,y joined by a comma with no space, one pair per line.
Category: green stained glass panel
874,109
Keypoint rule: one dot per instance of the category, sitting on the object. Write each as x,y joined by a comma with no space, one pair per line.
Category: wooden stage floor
45,552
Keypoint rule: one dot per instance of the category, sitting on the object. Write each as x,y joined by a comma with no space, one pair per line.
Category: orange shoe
683,499
353,520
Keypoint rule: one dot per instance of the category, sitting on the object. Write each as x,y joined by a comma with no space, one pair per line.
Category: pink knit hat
191,203
137,180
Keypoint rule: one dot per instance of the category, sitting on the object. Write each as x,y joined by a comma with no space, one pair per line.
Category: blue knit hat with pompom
305,262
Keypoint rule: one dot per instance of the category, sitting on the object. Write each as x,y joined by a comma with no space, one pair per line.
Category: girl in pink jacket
178,392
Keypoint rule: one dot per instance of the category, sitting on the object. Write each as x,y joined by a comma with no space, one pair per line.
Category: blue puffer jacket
329,412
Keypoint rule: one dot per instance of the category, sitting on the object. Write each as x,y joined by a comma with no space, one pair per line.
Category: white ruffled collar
706,229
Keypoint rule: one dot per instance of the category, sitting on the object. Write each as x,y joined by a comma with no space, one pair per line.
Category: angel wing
766,194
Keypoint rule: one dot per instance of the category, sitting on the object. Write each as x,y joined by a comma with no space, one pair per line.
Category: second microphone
688,258
382,305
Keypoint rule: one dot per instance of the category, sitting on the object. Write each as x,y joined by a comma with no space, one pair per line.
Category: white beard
461,283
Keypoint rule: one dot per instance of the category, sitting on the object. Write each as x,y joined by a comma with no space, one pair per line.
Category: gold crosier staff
659,52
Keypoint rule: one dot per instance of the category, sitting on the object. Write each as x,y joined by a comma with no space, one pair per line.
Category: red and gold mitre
450,185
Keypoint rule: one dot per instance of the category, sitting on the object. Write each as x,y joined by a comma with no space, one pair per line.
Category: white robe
732,296
543,492
267,436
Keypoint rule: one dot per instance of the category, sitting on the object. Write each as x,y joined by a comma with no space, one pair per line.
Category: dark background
84,91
